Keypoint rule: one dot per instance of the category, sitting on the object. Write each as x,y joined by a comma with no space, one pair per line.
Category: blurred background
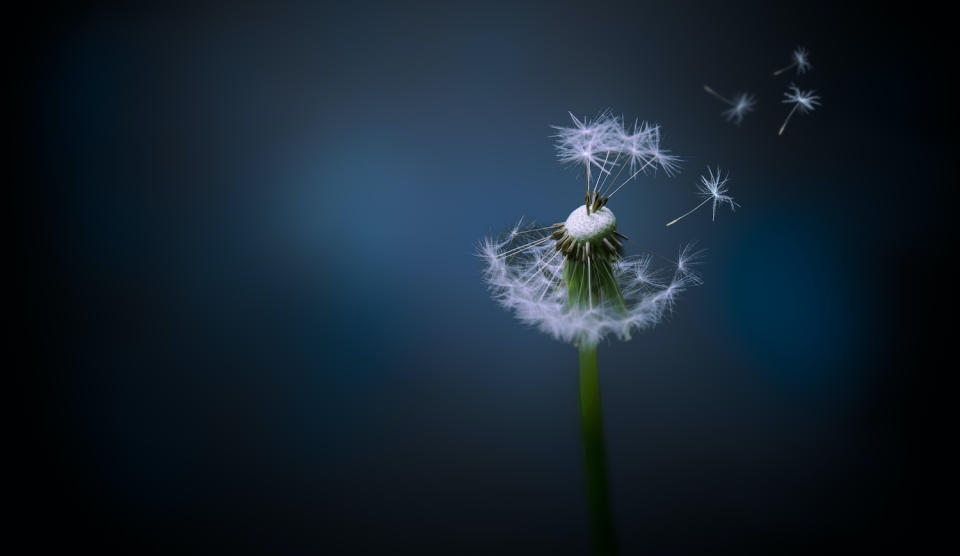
254,319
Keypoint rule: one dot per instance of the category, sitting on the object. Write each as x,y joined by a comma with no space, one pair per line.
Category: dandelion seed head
572,279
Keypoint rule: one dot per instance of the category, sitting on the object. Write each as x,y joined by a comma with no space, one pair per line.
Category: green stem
595,458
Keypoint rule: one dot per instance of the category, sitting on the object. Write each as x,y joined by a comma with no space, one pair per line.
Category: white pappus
801,61
740,105
803,102
712,188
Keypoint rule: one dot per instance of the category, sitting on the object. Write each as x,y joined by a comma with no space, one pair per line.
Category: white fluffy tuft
715,188
524,274
805,101
743,104
801,58
605,143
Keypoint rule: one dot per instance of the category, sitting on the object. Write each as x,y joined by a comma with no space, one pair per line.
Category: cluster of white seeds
538,272
524,271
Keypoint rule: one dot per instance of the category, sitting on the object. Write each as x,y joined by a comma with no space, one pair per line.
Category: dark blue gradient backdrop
256,317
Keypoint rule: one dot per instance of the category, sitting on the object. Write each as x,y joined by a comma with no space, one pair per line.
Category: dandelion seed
743,103
713,188
740,106
803,102
801,61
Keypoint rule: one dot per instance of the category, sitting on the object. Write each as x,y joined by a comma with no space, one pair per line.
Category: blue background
255,314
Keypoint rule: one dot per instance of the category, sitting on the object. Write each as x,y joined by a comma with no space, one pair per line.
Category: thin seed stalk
785,122
589,285
595,459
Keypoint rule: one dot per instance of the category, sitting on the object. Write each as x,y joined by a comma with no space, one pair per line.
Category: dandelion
743,103
803,102
801,61
713,188
573,280
740,106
